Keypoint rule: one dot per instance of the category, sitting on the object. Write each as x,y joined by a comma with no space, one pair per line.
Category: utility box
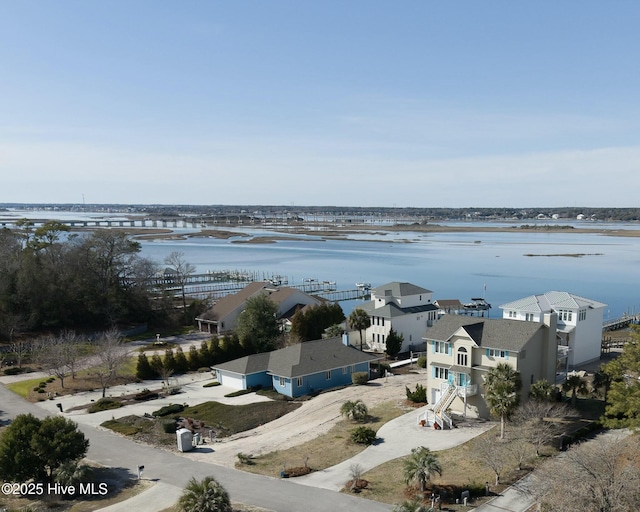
185,440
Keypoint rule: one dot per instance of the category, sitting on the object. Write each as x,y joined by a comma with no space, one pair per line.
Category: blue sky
364,103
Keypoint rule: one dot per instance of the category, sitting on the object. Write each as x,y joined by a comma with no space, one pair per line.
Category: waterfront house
579,329
404,307
297,370
462,349
222,317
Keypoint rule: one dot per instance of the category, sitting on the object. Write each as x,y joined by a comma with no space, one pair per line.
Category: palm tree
601,379
577,385
72,473
501,387
542,391
359,320
356,410
420,465
206,495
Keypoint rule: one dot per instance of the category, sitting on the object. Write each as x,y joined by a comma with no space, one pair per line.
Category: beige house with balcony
462,349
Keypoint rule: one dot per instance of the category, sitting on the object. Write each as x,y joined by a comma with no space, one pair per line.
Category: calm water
452,265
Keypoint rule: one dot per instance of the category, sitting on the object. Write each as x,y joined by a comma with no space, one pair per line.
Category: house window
497,353
463,359
582,315
345,370
300,382
282,381
565,315
328,374
440,347
382,322
440,373
529,317
383,338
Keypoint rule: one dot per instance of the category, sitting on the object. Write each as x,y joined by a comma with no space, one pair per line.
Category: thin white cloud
280,174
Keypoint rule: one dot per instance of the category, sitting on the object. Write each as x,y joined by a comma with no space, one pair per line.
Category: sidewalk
395,439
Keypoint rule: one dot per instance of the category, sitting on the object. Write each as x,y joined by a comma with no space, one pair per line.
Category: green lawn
24,387
231,419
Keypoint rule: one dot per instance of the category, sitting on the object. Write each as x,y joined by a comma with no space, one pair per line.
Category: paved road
173,471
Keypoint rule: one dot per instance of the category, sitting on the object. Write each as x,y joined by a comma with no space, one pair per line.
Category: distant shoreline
330,232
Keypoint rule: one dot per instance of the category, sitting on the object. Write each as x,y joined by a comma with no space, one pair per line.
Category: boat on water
477,304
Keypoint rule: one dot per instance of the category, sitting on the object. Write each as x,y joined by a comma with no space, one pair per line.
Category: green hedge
363,435
418,396
360,378
168,409
104,404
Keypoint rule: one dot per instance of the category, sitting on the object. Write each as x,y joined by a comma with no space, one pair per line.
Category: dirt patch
120,483
314,418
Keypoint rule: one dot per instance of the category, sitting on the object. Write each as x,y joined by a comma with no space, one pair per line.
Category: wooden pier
214,285
620,322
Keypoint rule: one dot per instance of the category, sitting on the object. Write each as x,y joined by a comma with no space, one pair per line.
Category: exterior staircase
436,414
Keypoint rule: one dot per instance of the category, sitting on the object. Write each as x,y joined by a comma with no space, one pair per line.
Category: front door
435,395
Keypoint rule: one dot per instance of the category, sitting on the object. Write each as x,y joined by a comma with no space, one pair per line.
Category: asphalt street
173,471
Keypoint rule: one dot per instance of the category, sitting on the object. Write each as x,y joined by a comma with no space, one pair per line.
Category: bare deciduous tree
110,355
181,270
355,471
52,352
493,453
20,347
601,475
538,422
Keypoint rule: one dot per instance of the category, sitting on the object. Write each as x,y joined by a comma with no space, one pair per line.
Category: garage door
231,380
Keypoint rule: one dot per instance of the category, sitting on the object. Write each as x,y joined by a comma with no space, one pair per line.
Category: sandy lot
314,418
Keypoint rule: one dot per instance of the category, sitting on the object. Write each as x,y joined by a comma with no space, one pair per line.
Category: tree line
51,280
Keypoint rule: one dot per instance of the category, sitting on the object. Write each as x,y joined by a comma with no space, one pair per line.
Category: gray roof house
404,307
579,328
222,317
299,369
462,349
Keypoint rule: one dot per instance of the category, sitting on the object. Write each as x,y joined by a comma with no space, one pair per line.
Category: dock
620,323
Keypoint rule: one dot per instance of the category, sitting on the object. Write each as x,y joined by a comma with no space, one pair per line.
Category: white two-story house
462,349
403,307
579,328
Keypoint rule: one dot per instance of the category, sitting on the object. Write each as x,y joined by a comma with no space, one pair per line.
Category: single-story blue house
297,370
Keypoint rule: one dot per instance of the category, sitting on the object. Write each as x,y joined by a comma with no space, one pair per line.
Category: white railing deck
437,413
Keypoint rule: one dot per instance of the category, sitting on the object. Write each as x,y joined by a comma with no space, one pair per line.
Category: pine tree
181,363
194,358
144,371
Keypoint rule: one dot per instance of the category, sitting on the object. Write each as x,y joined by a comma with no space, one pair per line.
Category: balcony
465,391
